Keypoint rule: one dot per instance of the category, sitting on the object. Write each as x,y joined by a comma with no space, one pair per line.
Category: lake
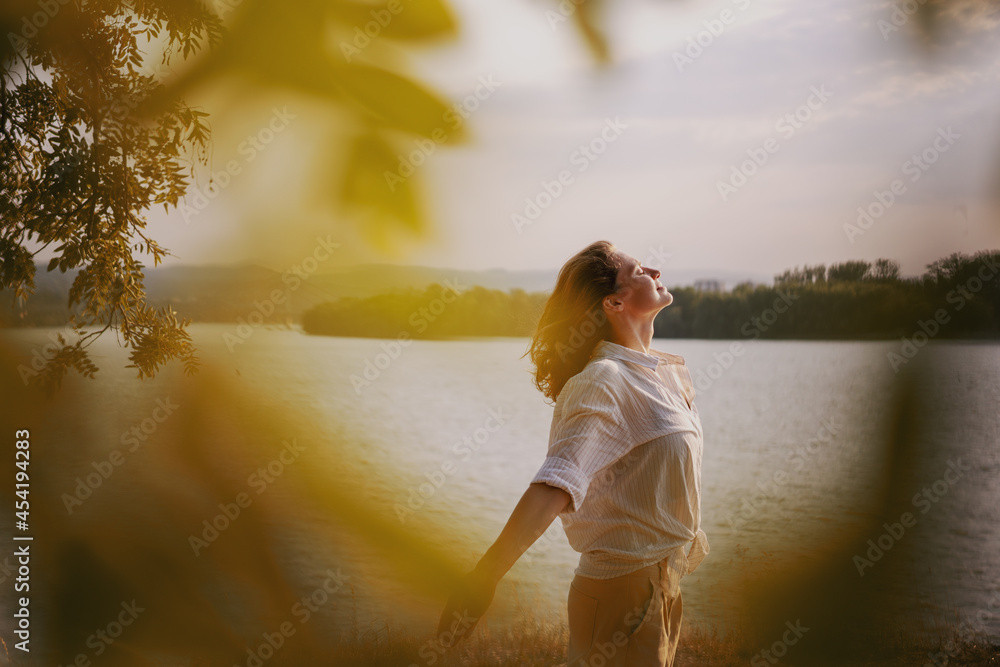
452,431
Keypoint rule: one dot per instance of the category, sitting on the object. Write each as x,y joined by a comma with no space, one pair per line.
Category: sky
734,134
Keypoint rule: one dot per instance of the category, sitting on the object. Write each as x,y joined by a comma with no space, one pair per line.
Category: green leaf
401,19
398,102
375,187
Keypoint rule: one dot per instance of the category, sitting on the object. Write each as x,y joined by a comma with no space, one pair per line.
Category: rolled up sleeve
587,434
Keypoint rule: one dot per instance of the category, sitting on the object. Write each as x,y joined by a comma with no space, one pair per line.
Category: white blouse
626,444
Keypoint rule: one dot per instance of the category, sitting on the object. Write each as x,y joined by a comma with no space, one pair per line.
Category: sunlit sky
867,102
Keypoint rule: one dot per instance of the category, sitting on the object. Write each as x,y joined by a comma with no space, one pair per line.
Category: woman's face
639,287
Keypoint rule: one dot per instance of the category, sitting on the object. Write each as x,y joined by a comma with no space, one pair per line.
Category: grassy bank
544,645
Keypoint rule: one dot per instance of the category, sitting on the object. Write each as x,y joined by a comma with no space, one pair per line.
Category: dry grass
537,644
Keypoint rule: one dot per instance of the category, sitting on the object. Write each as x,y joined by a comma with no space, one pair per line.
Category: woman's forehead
628,261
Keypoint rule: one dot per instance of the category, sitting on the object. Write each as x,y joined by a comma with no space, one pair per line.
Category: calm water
761,408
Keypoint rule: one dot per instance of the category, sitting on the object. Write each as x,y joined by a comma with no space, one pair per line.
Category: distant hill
378,278
208,293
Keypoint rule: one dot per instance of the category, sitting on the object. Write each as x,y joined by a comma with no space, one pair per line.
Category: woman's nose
655,273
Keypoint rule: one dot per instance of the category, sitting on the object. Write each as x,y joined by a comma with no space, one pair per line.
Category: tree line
957,296
439,311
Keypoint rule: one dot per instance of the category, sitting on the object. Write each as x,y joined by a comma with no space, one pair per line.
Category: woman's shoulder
599,379
601,370
598,371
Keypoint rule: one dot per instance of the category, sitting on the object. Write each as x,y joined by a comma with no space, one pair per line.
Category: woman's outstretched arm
532,515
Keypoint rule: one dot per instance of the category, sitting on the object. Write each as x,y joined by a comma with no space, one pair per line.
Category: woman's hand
466,605
536,510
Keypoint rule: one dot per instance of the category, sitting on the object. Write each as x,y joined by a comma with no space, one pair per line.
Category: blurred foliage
213,575
91,139
432,313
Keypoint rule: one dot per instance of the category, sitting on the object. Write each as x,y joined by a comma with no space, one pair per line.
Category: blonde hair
573,321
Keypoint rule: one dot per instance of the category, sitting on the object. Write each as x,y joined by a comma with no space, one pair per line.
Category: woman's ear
612,302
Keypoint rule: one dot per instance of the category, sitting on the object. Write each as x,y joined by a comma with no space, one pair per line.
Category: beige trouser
630,620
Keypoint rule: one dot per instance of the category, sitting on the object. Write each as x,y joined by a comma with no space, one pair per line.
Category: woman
622,471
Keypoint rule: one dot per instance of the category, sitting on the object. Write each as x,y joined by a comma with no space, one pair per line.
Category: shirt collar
607,349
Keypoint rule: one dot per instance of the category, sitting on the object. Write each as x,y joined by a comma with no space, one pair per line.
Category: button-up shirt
626,445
